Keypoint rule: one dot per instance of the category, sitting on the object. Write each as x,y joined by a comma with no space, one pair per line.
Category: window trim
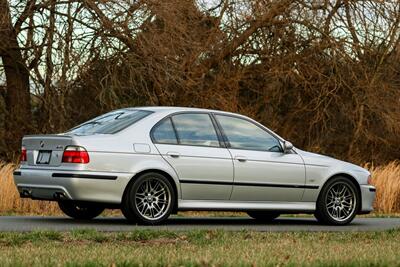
169,116
257,124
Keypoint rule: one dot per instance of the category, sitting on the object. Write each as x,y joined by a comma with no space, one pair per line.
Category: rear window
110,123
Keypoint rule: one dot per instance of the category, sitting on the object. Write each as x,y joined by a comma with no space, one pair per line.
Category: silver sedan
151,162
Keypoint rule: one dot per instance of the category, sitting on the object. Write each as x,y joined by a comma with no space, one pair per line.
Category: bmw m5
152,162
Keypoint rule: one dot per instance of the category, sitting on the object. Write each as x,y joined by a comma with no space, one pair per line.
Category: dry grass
10,202
386,179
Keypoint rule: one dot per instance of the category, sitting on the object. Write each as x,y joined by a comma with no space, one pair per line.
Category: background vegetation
324,74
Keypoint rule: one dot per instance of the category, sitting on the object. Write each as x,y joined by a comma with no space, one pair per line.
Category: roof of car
171,109
177,109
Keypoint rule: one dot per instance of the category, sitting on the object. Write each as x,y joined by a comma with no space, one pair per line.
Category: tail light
23,155
75,154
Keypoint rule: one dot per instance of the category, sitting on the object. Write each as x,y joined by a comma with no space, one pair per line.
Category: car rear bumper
367,196
93,186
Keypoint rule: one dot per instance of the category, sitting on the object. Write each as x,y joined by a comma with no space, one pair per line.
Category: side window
243,134
164,133
195,129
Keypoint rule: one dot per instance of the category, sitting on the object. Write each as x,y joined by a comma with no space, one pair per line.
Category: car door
262,172
189,142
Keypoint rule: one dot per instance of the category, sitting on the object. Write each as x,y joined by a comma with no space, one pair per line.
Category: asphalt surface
283,224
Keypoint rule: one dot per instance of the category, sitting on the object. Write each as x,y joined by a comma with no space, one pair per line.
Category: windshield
110,123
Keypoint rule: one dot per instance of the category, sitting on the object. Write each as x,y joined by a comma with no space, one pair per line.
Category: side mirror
287,147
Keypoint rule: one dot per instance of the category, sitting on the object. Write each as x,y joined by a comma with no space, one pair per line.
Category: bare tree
17,96
324,74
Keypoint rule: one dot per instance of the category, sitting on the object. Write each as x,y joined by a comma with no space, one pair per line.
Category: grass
199,248
386,179
10,202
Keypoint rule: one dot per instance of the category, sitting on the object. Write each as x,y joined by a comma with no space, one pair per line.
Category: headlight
369,179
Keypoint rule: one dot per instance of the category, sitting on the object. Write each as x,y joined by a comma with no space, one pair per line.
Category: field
199,248
386,178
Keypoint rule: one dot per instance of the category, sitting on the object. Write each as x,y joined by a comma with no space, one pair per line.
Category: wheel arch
164,173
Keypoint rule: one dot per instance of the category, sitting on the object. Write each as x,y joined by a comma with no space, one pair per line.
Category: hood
318,159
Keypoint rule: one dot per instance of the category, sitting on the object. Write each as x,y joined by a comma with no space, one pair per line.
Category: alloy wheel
340,201
152,199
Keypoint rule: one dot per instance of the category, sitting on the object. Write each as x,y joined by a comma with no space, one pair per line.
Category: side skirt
245,205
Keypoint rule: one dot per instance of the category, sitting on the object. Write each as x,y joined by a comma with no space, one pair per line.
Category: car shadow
238,221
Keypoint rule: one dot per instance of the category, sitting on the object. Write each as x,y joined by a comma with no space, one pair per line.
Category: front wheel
80,210
338,202
150,199
265,216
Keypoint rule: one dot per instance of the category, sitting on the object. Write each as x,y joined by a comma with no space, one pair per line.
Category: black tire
126,210
133,199
81,210
323,213
264,216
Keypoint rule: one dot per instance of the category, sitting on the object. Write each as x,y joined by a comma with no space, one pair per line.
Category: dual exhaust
59,195
27,193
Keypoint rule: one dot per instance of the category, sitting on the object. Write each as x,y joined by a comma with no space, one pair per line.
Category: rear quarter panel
129,151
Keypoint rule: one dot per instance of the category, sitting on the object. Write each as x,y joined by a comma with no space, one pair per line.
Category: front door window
243,134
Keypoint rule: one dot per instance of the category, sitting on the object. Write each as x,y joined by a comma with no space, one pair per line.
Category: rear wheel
265,216
81,210
338,202
150,199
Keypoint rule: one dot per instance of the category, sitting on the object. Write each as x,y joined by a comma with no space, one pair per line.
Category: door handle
241,158
173,154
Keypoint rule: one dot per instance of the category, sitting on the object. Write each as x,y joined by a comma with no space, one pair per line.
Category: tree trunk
17,98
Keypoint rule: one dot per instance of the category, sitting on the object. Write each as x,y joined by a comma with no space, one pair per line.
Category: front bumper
368,197
91,186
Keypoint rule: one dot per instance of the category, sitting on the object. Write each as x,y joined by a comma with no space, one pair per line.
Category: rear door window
195,129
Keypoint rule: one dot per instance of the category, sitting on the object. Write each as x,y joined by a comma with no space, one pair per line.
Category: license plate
43,157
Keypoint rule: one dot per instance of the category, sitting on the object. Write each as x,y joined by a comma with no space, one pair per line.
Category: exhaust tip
59,195
25,193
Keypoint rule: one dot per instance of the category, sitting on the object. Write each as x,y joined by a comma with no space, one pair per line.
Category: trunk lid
45,150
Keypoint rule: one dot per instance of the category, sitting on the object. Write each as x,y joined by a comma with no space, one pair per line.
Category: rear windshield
110,123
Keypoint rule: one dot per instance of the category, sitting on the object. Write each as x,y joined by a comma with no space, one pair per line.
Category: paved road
22,223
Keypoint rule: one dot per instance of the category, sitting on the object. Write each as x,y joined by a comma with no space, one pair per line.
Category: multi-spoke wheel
338,202
150,199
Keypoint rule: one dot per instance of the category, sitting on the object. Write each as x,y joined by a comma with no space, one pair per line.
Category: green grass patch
199,248
16,239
